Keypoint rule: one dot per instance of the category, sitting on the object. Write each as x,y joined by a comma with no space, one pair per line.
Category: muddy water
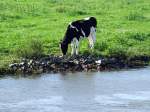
120,91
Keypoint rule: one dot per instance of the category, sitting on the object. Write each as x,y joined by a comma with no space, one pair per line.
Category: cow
76,30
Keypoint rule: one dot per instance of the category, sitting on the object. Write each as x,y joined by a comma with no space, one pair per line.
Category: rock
98,62
31,62
78,68
74,63
53,66
14,66
71,63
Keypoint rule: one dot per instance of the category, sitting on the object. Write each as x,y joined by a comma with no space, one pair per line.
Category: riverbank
33,29
56,64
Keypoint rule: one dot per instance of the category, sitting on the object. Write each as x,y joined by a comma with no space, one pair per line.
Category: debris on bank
56,64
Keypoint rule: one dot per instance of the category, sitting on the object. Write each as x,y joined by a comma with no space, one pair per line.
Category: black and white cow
77,30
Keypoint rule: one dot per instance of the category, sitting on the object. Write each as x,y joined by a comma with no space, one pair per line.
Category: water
120,91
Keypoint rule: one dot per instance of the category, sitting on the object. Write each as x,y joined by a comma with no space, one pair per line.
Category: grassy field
35,27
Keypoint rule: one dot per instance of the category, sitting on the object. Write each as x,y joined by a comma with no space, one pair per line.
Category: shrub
33,48
86,52
117,50
135,16
139,50
139,36
101,46
61,9
71,11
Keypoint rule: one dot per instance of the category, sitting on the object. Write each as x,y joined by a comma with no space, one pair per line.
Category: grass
31,28
32,49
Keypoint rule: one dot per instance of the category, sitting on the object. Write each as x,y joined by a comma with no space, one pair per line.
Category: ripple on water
51,104
138,100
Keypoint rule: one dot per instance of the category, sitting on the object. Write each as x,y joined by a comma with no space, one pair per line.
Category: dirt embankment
55,64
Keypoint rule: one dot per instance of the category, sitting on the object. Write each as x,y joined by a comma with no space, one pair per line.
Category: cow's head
63,47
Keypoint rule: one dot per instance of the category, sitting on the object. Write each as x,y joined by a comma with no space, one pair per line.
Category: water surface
119,91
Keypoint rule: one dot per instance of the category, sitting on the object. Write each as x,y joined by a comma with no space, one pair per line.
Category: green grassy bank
34,27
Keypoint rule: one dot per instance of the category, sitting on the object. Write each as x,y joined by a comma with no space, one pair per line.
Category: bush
101,46
61,9
31,49
117,50
71,11
135,16
139,50
139,36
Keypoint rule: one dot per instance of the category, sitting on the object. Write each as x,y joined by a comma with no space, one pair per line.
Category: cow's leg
92,37
74,46
91,44
93,30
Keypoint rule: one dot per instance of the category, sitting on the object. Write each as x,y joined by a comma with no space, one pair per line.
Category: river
116,91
